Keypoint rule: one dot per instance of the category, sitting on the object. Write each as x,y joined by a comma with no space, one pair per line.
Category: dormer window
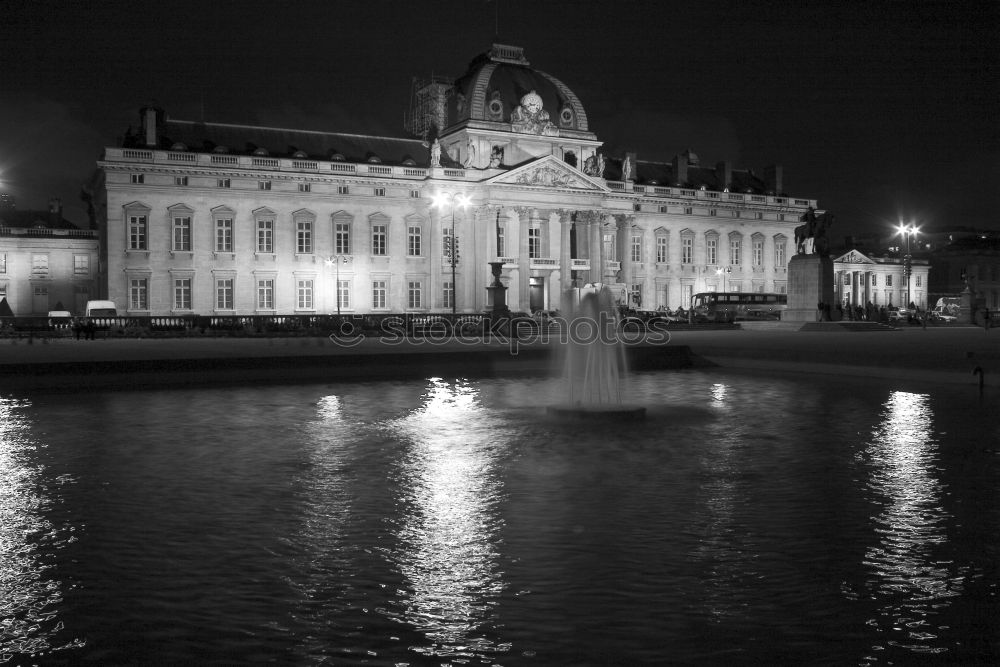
299,155
220,149
337,157
374,159
179,147
261,152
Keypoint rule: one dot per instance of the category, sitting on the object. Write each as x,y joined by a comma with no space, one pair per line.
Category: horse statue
814,228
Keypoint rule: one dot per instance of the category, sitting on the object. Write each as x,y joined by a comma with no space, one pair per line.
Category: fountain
594,360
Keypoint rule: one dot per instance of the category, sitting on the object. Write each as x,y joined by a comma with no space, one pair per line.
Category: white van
101,309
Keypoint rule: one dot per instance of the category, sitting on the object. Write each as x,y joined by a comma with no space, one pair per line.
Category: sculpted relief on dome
529,117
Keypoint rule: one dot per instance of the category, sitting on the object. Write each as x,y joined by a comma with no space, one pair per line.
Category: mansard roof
198,136
662,173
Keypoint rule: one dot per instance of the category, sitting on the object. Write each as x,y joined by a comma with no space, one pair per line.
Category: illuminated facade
220,219
881,281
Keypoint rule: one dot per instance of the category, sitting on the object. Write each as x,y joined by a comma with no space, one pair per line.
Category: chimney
55,213
724,174
680,164
150,119
772,179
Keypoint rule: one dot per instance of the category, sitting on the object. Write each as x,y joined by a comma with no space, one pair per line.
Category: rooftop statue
530,118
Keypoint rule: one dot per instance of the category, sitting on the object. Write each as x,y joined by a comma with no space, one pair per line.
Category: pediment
854,257
548,172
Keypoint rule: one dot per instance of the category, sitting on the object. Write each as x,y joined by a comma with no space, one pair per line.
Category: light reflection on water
30,594
908,581
746,521
449,488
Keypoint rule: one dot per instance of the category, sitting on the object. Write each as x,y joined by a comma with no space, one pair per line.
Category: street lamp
335,261
723,272
454,200
907,231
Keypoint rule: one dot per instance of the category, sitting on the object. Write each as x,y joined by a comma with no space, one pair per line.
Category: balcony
580,264
611,265
543,263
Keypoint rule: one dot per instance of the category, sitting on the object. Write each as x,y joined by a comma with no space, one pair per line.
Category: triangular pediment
854,257
548,172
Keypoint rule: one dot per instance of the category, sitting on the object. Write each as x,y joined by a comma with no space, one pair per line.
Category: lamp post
454,200
723,272
907,231
335,261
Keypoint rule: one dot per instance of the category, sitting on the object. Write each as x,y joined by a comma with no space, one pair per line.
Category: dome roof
497,82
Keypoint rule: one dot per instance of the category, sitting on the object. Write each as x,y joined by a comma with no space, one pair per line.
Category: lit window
735,251
3,262
138,294
223,234
265,294
304,295
758,252
712,251
39,264
534,242
687,250
343,294
303,237
449,294
414,291
182,233
137,228
265,235
501,242
342,237
636,248
378,294
379,240
224,294
81,265
413,241
661,249
182,294
779,252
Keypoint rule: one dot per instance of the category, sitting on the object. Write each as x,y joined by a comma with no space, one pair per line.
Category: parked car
60,319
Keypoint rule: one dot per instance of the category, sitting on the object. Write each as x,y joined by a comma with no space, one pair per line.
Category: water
746,521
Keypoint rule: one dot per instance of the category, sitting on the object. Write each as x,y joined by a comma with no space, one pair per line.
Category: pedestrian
986,320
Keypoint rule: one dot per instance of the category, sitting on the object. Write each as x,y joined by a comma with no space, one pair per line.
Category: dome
500,80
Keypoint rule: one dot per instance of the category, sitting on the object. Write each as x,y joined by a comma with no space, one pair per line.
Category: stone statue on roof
627,168
436,154
530,118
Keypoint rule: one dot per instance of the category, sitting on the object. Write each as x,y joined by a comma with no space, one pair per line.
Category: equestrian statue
814,228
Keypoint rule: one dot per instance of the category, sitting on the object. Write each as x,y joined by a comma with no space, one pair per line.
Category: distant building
214,218
882,281
46,263
972,260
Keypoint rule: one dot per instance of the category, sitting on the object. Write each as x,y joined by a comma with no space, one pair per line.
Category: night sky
883,111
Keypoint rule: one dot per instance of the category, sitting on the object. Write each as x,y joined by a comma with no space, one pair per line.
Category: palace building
503,166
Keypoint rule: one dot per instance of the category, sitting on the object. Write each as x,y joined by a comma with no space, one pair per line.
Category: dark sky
880,110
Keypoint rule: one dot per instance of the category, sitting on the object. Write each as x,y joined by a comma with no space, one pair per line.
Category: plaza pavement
936,354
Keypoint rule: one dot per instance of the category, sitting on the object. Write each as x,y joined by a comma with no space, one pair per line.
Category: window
379,236
534,242
137,232
637,207
501,242
343,190
712,211
847,278
920,280
735,250
449,294
224,294
138,178
759,215
874,280
661,249
888,280
414,290
379,290
180,180
304,294
305,187
687,210
39,264
781,217
415,194
413,241
343,294
303,237
712,250
687,250
379,192
636,248
635,291
182,294
779,253
223,183
181,233
265,294
138,294
263,185
3,262
758,252
342,238
663,209
265,235
223,234
81,265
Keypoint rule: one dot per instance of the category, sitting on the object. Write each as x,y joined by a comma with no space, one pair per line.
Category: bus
732,306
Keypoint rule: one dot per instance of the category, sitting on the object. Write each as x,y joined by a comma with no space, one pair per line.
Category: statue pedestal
810,282
496,293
